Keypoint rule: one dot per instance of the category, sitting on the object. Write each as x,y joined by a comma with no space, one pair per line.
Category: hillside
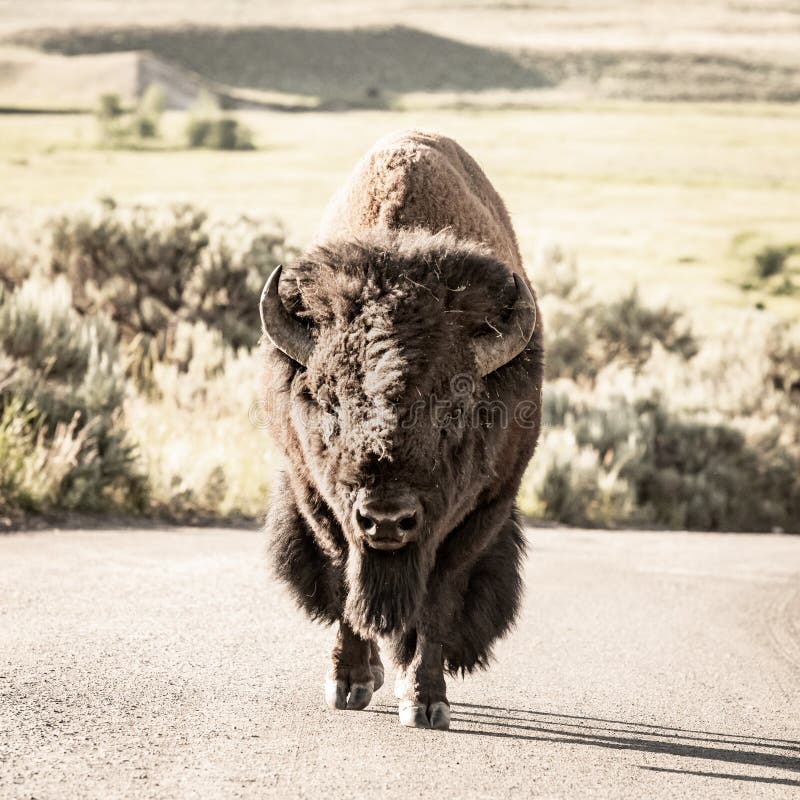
768,29
31,80
373,67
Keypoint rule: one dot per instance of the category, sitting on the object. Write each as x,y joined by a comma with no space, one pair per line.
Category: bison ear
285,331
508,338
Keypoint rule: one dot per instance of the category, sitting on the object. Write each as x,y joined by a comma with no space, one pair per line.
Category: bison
403,361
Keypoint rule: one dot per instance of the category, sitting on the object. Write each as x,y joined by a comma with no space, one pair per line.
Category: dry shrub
154,269
143,320
586,334
200,446
131,128
62,439
209,128
645,424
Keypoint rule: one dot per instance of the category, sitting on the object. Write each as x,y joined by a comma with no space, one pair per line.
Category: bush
586,334
208,127
165,295
696,473
143,128
770,260
109,107
62,439
17,249
783,361
225,133
147,119
121,127
153,269
110,116
646,425
198,445
771,268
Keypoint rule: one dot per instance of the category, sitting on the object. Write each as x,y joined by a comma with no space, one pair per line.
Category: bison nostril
407,523
365,523
386,522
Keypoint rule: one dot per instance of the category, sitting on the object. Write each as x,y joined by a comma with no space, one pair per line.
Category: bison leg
376,665
356,671
421,690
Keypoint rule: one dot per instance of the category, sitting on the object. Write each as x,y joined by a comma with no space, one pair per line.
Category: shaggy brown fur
417,179
411,267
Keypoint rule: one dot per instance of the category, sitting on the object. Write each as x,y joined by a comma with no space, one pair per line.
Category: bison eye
305,394
328,401
330,409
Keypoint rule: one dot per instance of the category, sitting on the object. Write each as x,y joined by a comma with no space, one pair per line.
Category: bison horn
492,352
287,333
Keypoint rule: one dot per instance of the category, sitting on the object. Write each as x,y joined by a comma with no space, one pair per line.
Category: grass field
656,144
673,197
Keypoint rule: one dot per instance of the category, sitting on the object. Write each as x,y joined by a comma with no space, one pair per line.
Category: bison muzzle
403,371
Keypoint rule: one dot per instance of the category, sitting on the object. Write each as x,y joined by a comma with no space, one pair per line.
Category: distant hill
33,80
329,64
256,66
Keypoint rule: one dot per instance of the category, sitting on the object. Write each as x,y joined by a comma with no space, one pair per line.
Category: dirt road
169,664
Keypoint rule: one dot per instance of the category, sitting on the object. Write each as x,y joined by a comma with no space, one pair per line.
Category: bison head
399,364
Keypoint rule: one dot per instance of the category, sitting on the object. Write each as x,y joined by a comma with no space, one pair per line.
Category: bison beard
392,521
385,589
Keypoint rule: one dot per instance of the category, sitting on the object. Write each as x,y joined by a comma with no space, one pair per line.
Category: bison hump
419,179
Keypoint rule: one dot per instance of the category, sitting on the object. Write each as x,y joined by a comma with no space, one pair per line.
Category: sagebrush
156,270
63,439
127,382
648,424
124,324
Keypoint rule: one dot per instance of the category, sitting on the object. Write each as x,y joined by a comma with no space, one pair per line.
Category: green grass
657,195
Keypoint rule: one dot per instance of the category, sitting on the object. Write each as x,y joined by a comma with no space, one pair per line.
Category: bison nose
388,523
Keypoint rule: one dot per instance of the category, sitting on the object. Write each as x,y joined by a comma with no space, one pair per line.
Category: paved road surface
144,664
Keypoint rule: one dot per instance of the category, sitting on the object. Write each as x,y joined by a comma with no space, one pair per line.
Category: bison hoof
377,676
414,715
439,715
340,695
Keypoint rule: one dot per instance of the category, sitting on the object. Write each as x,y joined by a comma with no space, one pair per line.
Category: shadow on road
522,724
729,776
